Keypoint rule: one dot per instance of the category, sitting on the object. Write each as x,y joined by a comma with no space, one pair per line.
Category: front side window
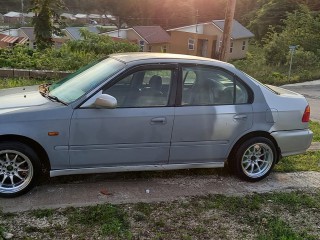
204,86
146,88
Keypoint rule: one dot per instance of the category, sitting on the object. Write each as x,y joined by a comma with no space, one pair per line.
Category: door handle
159,120
240,117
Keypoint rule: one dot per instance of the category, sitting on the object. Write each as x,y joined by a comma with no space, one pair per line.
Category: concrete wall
26,73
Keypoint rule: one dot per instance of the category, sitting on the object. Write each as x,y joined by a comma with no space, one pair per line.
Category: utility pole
22,9
228,22
197,16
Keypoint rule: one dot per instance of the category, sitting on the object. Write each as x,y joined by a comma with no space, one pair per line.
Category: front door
215,109
137,132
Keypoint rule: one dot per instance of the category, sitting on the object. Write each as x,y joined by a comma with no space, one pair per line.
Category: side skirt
55,173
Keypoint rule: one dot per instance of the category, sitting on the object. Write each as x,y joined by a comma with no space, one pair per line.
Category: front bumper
293,142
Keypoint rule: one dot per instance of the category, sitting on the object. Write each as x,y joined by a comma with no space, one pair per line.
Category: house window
191,44
149,48
34,45
243,45
164,48
141,43
231,47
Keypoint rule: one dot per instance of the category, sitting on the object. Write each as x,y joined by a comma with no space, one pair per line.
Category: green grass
282,215
310,161
315,128
109,218
276,228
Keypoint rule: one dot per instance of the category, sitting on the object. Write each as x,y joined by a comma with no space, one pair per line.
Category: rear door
215,108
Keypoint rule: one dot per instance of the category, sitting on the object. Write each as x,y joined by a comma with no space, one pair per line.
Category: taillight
306,114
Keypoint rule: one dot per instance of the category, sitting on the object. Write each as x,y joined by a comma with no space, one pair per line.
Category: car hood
20,98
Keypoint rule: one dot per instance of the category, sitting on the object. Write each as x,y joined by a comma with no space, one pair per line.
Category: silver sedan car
148,111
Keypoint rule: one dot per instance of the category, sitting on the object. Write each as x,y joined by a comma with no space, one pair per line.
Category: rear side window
212,86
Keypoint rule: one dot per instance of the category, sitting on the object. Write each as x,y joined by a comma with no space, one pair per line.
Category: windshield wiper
55,99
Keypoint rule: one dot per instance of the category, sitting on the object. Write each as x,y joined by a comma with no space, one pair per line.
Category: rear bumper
293,142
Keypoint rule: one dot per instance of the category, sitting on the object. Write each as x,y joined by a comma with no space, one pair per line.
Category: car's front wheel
254,159
19,168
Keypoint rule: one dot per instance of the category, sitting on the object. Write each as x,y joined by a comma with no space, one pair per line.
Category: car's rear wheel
19,168
254,159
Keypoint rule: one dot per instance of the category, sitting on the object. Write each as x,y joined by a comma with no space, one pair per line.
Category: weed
42,213
1,232
144,208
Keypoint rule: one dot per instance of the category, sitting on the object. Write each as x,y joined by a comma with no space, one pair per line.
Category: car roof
165,57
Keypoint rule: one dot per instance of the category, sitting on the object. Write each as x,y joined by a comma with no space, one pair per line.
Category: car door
137,131
215,108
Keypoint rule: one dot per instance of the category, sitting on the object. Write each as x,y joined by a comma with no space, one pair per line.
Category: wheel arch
255,134
40,151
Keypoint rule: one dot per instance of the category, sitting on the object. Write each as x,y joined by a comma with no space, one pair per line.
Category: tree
301,28
43,21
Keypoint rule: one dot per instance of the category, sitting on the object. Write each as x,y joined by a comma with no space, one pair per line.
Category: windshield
85,79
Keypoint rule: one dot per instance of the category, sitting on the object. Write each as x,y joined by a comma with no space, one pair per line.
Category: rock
7,235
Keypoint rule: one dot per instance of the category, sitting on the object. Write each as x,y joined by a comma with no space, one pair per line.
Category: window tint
148,88
211,86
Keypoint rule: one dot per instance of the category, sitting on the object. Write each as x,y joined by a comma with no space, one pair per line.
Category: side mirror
105,101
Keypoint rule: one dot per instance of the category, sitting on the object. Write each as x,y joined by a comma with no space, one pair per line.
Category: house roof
238,31
67,16
29,14
80,15
75,31
12,14
12,39
152,34
95,16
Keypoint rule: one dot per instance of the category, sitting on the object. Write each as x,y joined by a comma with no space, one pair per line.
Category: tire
20,168
254,159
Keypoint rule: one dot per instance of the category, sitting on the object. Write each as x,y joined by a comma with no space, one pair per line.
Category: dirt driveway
92,190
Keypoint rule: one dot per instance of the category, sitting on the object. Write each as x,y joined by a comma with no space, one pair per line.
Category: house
149,38
24,35
205,39
13,17
28,17
73,33
10,40
29,33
